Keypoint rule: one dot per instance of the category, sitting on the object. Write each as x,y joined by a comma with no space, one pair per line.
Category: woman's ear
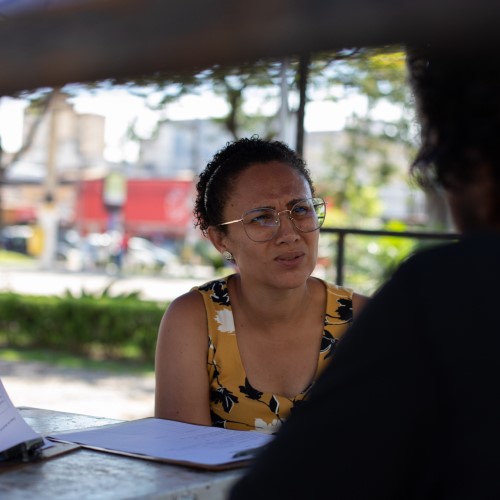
217,238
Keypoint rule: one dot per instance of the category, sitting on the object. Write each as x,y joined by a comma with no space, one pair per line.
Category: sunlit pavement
41,282
40,385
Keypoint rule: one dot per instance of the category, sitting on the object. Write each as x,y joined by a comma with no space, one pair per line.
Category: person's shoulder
339,292
446,263
187,303
336,289
487,243
447,254
183,323
211,285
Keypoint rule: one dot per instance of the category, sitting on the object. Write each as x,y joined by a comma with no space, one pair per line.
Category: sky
120,108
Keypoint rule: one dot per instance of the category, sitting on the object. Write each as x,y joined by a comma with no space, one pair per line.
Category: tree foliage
352,69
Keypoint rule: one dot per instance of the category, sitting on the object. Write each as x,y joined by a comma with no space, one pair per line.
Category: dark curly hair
457,99
217,179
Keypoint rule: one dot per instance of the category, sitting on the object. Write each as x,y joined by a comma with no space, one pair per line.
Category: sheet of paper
171,441
13,429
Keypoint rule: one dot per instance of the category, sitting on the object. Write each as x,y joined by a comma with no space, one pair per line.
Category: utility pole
48,213
304,62
284,114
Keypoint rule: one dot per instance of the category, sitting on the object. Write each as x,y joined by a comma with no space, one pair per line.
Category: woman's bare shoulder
189,301
185,313
359,301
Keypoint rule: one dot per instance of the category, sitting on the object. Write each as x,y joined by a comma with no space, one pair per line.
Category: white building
182,147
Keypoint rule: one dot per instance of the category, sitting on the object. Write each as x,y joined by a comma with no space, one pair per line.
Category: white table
87,474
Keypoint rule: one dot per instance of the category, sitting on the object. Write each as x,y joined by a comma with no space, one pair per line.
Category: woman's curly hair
457,99
219,176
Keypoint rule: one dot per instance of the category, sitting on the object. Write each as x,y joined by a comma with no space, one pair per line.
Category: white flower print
263,426
225,320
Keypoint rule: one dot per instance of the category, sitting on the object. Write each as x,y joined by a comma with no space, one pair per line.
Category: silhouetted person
409,407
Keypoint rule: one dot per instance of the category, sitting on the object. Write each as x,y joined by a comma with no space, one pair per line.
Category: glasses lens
308,215
261,224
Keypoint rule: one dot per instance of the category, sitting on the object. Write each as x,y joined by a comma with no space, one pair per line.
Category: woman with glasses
243,351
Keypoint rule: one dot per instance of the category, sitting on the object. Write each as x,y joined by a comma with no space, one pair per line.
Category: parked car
143,254
15,238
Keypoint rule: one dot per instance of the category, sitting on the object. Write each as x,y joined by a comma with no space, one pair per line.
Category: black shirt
409,407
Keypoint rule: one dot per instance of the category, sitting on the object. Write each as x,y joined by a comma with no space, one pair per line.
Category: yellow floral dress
234,403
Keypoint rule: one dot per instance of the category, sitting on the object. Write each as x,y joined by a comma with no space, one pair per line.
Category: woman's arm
182,386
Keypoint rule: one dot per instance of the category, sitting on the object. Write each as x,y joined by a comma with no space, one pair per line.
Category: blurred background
100,177
97,178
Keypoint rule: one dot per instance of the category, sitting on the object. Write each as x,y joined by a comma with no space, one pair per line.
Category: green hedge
107,327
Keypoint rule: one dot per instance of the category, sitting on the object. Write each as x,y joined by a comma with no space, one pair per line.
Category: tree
39,103
374,150
266,75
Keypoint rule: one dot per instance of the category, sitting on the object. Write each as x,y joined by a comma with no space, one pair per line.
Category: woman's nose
286,226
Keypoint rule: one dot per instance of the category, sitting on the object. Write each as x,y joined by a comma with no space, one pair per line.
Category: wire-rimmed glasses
261,224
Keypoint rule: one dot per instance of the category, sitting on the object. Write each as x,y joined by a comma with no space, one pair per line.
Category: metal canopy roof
51,43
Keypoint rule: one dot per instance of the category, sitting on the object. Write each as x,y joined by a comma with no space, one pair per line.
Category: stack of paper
173,442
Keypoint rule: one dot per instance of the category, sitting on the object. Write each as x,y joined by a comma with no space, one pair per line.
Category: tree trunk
304,62
284,113
20,153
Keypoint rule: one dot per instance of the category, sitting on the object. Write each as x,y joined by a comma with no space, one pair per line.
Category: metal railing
343,232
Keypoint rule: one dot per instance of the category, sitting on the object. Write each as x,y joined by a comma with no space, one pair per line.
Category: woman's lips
290,258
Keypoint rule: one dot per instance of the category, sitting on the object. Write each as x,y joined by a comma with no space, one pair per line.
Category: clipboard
48,451
169,441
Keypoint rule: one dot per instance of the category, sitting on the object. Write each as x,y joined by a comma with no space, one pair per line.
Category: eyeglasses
261,224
